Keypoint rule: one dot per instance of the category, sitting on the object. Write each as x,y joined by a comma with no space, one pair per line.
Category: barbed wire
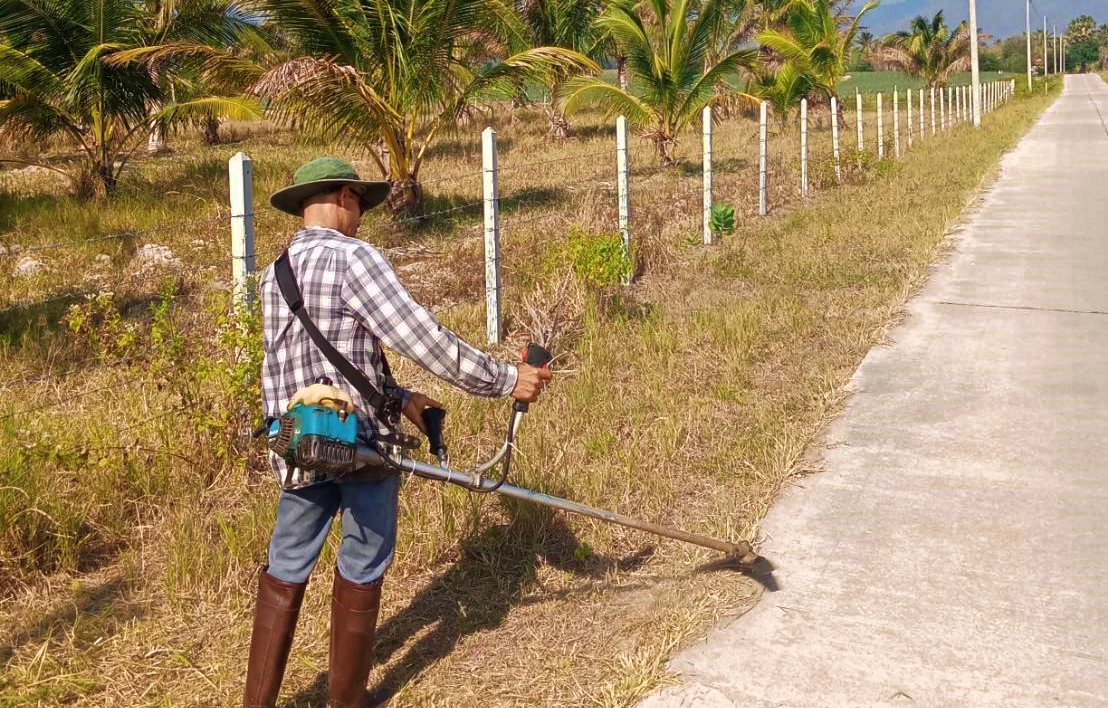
453,178
58,402
120,235
80,366
427,217
184,271
86,444
516,168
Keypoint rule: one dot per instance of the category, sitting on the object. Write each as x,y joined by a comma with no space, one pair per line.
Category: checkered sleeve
378,299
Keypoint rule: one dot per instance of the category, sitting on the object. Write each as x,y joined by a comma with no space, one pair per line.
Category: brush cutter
319,432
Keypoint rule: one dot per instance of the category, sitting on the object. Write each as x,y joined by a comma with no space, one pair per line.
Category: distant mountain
1000,18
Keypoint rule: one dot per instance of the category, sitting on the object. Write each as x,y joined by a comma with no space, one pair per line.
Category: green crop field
875,81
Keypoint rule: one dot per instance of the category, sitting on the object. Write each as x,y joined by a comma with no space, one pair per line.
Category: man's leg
303,519
368,545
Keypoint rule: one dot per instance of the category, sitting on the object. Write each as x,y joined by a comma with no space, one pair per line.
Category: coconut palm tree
782,89
1082,29
570,24
813,42
667,48
929,49
219,25
391,75
866,42
56,66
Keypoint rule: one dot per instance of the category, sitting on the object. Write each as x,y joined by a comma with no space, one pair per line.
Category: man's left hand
414,410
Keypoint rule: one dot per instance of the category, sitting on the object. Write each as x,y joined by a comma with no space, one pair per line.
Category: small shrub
597,259
722,221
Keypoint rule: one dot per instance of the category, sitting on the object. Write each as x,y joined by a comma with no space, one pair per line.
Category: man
354,298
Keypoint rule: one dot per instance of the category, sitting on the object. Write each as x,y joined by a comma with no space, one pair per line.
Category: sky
1000,18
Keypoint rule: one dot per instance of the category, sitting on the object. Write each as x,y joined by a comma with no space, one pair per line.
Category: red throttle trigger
537,356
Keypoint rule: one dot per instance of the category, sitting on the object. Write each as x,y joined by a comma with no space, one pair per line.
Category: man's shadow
476,593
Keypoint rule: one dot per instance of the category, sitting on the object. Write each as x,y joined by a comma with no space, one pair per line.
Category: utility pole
975,64
1028,46
1046,65
1055,49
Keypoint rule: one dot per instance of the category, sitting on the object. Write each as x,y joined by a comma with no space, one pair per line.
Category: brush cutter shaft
741,551
475,481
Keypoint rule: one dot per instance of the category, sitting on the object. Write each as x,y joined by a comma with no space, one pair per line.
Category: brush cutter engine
319,431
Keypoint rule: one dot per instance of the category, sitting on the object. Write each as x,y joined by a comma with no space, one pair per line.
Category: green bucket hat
322,175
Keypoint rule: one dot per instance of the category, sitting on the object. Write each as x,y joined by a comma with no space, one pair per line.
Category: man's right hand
530,381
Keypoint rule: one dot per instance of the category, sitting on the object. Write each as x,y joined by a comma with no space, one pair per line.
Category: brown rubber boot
275,615
353,623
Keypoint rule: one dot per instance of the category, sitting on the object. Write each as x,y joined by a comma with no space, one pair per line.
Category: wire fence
740,167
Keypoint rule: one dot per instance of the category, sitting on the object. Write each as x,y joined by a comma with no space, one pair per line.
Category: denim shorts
368,515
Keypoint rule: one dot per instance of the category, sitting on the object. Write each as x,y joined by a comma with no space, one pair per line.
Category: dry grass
131,540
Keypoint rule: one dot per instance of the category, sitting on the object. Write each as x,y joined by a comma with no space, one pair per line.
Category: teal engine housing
315,438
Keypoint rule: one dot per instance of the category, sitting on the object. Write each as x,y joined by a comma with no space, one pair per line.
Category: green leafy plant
722,221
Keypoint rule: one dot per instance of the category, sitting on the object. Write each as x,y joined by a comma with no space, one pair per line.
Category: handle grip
537,356
432,420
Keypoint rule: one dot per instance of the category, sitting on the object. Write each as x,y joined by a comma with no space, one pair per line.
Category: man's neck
308,227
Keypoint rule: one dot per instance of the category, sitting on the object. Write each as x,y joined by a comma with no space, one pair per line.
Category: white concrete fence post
835,139
763,160
922,116
240,172
706,147
622,185
803,147
861,130
942,110
911,124
880,126
896,122
933,119
490,186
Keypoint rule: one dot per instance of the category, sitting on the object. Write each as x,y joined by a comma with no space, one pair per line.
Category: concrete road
954,552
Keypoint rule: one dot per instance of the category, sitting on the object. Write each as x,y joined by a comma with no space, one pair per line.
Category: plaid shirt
355,299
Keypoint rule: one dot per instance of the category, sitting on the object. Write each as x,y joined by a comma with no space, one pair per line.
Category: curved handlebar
533,355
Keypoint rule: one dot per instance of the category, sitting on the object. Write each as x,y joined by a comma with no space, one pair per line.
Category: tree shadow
19,322
462,147
730,164
105,604
443,213
22,324
495,570
17,209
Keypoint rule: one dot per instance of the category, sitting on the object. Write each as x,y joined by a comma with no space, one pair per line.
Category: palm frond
24,71
584,90
228,107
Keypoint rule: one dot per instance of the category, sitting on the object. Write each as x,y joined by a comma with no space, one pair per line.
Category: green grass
131,529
